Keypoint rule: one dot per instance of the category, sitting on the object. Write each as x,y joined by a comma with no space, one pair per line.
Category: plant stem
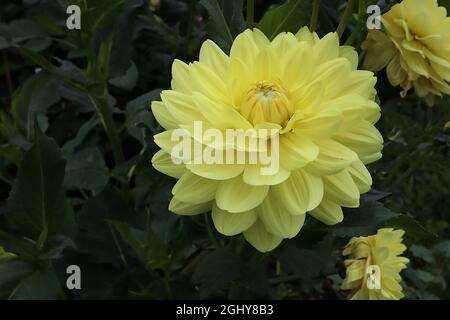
250,13
345,18
8,74
314,15
361,6
418,161
283,279
107,120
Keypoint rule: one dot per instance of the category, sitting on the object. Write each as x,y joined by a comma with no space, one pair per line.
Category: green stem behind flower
359,24
250,13
345,18
107,120
314,15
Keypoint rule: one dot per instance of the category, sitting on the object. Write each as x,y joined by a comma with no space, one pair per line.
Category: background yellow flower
415,48
383,251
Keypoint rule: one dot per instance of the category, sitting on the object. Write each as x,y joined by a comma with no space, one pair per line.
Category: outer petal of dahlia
189,209
350,54
195,189
395,73
260,238
181,107
181,80
328,212
234,195
354,108
277,219
300,193
231,224
365,140
341,189
163,116
214,58
378,51
333,157
163,162
360,176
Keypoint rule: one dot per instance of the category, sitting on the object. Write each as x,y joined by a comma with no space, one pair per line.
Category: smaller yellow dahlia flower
415,48
374,265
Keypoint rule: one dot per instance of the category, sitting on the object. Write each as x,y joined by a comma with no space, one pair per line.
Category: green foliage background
77,185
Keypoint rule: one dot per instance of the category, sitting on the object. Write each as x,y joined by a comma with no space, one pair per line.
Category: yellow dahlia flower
304,88
415,48
379,252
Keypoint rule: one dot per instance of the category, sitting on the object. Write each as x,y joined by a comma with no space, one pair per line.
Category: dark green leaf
289,17
86,169
412,228
37,203
226,21
363,221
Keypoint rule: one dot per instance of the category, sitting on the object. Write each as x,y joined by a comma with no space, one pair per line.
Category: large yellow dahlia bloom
306,89
383,251
415,48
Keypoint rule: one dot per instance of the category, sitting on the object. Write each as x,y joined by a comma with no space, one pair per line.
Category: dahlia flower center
266,102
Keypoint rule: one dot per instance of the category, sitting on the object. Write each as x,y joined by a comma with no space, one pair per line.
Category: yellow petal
300,193
260,238
296,150
244,48
181,107
208,82
322,125
163,162
333,157
221,115
212,56
194,189
361,176
364,139
328,212
255,175
234,195
163,116
277,219
231,224
341,189
181,80
189,209
350,54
